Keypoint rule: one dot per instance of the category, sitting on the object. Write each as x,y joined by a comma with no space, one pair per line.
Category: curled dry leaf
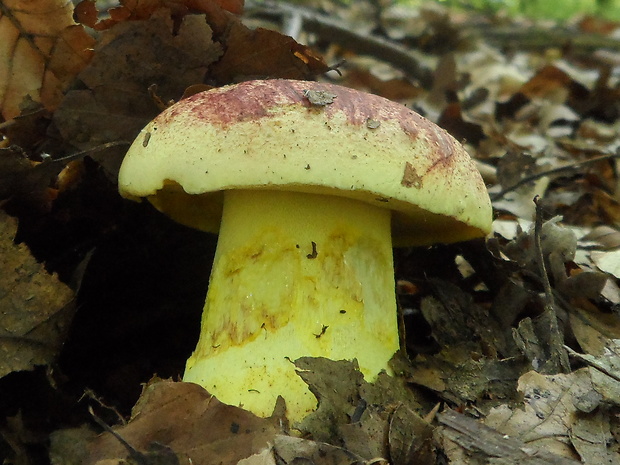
35,308
41,52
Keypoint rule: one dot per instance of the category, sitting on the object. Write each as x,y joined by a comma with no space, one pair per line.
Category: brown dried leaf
357,414
605,236
190,422
41,52
69,445
265,457
512,168
551,420
466,441
35,308
451,119
593,328
590,435
455,376
409,438
296,450
136,10
336,386
259,53
608,261
397,88
130,57
537,343
594,207
550,82
23,177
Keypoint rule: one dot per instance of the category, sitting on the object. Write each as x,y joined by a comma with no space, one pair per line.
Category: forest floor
511,344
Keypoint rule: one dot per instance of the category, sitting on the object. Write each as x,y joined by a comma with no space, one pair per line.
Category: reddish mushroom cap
308,137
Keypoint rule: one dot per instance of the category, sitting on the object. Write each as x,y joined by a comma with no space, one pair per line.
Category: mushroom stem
294,275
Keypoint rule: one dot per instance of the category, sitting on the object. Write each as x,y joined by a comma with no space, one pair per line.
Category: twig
293,25
91,395
593,363
342,33
559,169
7,124
542,268
134,453
555,336
540,38
84,153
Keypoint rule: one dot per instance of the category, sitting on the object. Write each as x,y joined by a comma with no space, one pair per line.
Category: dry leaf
608,261
409,438
264,457
550,415
135,10
512,168
22,177
259,53
336,386
69,446
456,376
451,119
605,371
190,422
359,415
466,441
296,450
35,308
593,328
41,52
130,57
550,82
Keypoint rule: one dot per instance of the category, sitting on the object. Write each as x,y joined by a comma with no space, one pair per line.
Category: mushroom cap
307,137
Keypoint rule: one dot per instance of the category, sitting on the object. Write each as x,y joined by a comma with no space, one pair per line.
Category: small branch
91,395
135,454
93,150
542,269
557,354
293,25
539,38
487,445
558,170
342,33
593,363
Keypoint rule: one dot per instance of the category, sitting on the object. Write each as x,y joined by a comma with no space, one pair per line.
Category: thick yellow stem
294,275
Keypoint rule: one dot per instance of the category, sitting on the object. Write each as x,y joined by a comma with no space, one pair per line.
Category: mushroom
309,186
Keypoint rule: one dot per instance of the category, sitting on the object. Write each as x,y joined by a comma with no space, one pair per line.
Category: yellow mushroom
309,186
